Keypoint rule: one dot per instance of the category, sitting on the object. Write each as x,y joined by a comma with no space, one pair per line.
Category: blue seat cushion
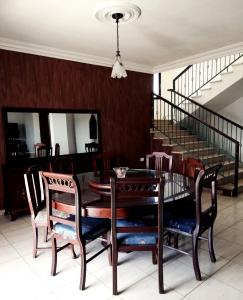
136,238
91,228
180,215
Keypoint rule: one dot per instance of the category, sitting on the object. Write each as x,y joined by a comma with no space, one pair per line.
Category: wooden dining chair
191,218
44,151
61,165
36,204
191,167
162,161
137,234
91,147
57,149
76,230
104,161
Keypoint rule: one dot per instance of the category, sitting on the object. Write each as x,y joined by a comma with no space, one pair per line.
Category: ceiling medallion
129,11
118,12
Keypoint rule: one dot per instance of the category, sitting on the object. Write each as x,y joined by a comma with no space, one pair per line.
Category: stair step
228,176
207,86
229,70
216,79
192,145
196,152
238,62
229,187
212,159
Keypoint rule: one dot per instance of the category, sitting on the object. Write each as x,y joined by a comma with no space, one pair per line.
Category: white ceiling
168,32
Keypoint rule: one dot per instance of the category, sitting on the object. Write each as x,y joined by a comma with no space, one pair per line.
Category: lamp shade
118,70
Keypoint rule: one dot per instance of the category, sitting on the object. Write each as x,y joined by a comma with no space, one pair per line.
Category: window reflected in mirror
33,134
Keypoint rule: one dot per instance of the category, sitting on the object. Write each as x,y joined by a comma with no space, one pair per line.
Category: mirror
62,132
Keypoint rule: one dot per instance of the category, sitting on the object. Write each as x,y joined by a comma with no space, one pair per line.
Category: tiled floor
23,277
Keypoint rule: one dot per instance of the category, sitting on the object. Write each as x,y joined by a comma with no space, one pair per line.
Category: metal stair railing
196,76
211,117
182,128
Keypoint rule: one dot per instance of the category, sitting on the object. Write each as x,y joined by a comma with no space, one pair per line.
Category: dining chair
61,165
191,218
91,147
57,149
137,234
36,204
162,161
104,161
37,146
191,167
75,230
44,151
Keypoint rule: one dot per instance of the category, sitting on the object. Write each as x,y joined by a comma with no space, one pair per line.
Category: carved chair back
58,185
162,161
134,189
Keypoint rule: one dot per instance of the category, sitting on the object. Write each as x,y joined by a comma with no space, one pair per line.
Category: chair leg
195,257
74,255
114,269
154,257
54,256
35,240
83,266
210,244
176,238
45,234
160,266
109,252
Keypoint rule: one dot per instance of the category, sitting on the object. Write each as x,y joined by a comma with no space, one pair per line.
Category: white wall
82,130
58,131
32,125
71,134
167,81
167,77
234,111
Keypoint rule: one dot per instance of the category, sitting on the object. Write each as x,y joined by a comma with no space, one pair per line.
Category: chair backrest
33,186
129,189
44,151
37,146
60,165
91,147
162,161
192,166
206,178
103,161
57,149
58,186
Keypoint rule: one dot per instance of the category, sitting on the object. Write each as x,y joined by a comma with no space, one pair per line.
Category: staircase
184,127
183,134
205,80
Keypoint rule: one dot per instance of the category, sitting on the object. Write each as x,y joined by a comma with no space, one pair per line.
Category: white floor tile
137,276
214,290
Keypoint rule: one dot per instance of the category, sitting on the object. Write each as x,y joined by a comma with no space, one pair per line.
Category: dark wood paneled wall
39,82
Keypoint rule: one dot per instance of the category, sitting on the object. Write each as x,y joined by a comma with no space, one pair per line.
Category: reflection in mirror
64,133
23,132
71,132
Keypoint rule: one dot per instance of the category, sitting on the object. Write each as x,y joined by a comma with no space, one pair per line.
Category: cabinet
15,199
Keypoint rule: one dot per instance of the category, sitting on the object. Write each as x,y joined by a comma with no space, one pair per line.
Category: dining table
95,193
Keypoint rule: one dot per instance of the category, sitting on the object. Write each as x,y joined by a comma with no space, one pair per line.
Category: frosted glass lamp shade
118,70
